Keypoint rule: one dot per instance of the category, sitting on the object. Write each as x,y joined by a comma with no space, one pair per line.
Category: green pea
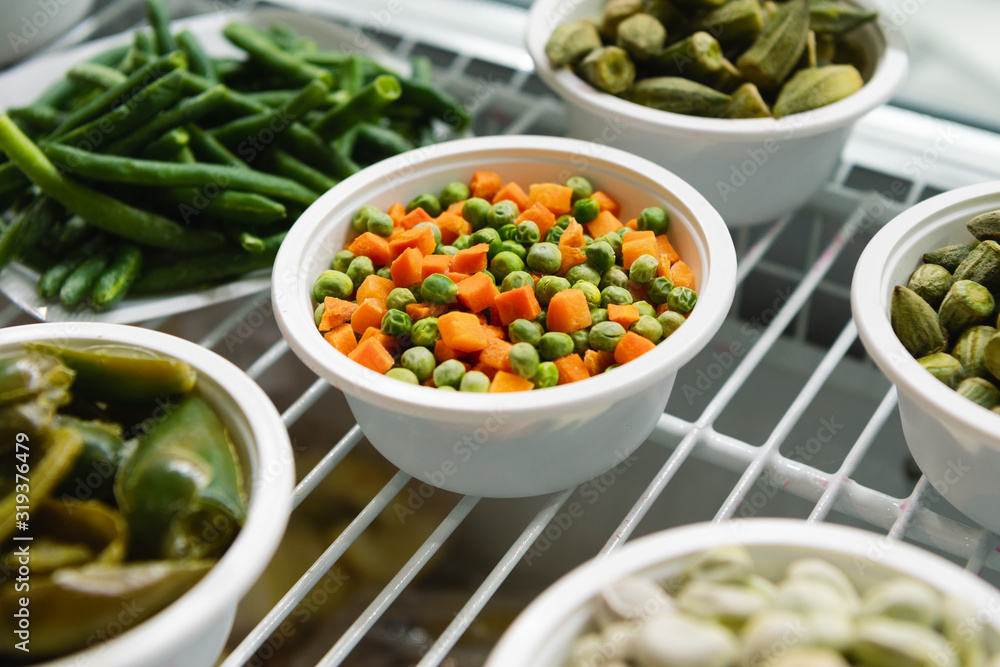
505,263
643,269
682,300
616,295
516,279
588,239
360,220
419,360
562,222
589,290
585,210
611,368
332,283
598,315
490,237
380,223
318,314
613,240
449,373
670,321
544,258
502,213
516,248
548,286
453,193
359,269
541,319
547,375
342,260
434,230
648,327
622,231
415,291
428,202
583,273
384,272
475,211
438,288
653,219
554,234
523,359
396,323
507,232
580,186
614,277
447,388
581,341
555,345
474,381
449,250
403,374
462,242
490,275
600,255
525,331
425,332
399,298
645,308
658,289
605,336
527,233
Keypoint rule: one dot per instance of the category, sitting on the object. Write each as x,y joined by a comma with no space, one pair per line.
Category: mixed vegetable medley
127,481
488,287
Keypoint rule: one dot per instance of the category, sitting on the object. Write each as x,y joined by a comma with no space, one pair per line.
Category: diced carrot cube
407,269
632,249
663,243
632,224
457,277
368,314
570,258
397,212
388,342
372,246
336,312
375,287
598,362
632,346
456,208
637,291
664,267
514,193
496,354
418,311
681,274
436,264
472,259
572,236
414,218
342,338
443,353
623,315
568,312
604,223
607,202
507,382
539,215
516,304
636,235
477,293
372,355
483,319
485,185
662,308
571,369
421,238
557,198
495,318
452,226
496,332
462,331
488,371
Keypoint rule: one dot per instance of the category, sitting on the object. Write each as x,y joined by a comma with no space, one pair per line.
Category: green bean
251,242
79,283
140,53
51,281
42,117
289,39
273,120
334,59
365,105
11,178
47,214
60,92
379,141
270,57
198,60
112,284
95,75
421,70
159,18
98,209
309,147
71,234
168,145
153,172
14,234
228,67
208,149
207,268
435,102
188,110
281,162
95,107
350,75
247,207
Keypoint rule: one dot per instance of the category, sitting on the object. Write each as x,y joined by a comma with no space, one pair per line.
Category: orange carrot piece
452,226
387,341
557,198
436,264
517,303
336,312
623,315
681,274
488,371
663,244
372,246
407,269
443,353
495,318
485,184
342,338
457,277
568,312
397,212
604,223
418,311
570,258
375,287
368,314
506,382
477,292
471,260
539,215
421,238
632,249
607,202
637,291
496,354
414,218
636,235
462,331
598,362
496,332
571,369
371,354
514,193
483,319
456,208
633,224
572,236
664,268
632,346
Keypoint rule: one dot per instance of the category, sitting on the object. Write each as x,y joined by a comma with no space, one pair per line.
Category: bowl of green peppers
750,101
145,483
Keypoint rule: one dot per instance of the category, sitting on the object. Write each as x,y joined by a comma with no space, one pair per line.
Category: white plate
21,85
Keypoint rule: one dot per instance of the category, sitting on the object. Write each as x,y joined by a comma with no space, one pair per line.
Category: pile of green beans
154,167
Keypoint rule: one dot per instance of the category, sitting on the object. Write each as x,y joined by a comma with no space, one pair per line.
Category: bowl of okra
924,299
749,101
760,592
147,483
494,374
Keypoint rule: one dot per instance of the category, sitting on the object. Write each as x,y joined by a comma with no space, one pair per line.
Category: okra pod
778,47
198,60
79,283
112,285
159,18
270,57
273,120
366,104
95,75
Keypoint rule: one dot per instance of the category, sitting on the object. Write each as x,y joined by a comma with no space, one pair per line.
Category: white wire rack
782,414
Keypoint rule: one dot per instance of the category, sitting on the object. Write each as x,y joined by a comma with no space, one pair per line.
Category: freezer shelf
781,415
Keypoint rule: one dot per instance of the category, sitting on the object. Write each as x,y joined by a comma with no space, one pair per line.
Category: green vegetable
979,391
778,47
449,373
438,288
682,300
581,341
525,331
399,298
944,367
966,304
208,268
616,295
507,232
571,41
112,285
648,327
516,279
931,282
547,375
198,61
986,226
580,186
554,345
589,290
502,213
586,210
476,212
342,260
474,381
613,277
277,119
435,230
403,374
527,233
678,95
654,219
453,193
462,242
544,258
505,263
816,87
915,323
970,350
419,360
366,105
547,286
396,323
428,202
360,268
600,255
380,224
490,237
658,290
643,269
981,265
524,359
598,315
359,221
641,35
554,234
269,57
605,336
608,68
80,282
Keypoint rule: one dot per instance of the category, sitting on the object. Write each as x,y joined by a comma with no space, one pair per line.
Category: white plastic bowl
516,444
543,633
955,442
751,170
192,631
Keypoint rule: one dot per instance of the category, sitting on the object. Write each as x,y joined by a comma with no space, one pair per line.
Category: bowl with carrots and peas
505,315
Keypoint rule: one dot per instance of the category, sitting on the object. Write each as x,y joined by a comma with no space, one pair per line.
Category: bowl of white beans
760,593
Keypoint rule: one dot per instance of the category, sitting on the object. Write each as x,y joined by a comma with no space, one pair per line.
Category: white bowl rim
885,80
714,296
871,316
554,606
267,514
